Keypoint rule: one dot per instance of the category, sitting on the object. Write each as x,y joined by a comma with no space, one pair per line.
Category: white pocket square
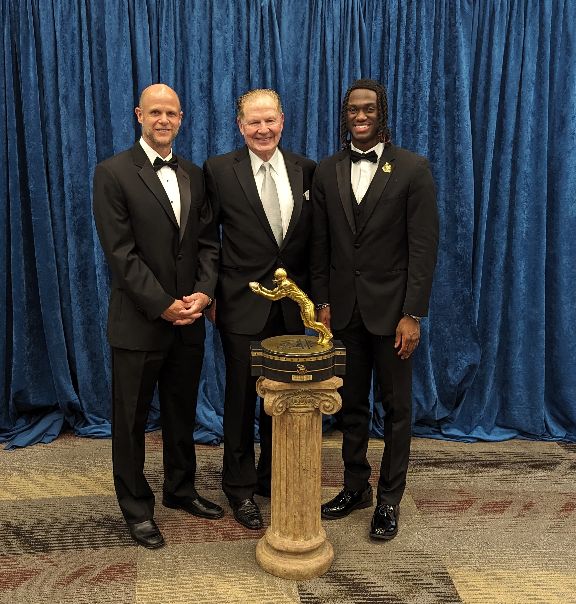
306,195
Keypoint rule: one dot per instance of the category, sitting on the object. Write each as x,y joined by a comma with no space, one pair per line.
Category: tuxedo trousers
135,375
240,475
365,352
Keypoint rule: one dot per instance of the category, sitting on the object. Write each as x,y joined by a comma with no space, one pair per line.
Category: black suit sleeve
112,219
320,248
212,192
208,249
422,230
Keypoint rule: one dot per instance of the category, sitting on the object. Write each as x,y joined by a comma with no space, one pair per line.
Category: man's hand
407,336
195,305
323,316
172,313
182,312
199,300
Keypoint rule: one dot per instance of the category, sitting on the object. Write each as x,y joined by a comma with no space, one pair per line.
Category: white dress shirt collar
151,154
258,161
378,149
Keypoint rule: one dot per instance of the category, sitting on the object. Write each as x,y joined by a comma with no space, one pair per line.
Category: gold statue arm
270,294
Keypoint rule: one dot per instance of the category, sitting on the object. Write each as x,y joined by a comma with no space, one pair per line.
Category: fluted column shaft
295,545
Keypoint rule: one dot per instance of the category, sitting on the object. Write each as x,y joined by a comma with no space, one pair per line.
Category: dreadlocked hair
382,104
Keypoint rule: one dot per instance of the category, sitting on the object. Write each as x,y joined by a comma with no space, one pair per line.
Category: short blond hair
253,94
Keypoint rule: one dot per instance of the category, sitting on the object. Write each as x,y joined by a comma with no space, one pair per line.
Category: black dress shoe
345,502
385,522
247,514
147,534
197,506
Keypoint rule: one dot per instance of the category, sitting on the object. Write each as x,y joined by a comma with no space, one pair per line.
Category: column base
296,565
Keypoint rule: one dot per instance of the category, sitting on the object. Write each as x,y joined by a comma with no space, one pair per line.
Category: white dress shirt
167,177
362,172
280,176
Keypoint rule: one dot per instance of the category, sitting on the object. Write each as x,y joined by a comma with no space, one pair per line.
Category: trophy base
297,358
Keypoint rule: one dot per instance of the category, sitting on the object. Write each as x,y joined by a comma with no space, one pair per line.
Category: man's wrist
209,303
415,317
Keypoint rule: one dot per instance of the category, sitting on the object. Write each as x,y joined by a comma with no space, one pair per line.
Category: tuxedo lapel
377,186
295,176
185,198
150,178
345,188
243,170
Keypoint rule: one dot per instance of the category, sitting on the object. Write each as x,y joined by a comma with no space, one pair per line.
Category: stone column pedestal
295,544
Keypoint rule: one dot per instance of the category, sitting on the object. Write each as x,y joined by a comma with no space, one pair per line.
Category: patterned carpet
481,523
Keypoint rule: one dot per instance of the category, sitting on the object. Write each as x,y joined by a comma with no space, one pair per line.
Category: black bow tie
160,163
370,156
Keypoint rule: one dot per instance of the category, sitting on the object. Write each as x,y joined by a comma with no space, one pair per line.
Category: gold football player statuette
286,288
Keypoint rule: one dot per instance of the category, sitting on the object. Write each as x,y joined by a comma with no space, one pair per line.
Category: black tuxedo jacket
152,260
386,262
249,251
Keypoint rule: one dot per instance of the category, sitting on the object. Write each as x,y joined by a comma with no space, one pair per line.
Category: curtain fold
486,90
523,114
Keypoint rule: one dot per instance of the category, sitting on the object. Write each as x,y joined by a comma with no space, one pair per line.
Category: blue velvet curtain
486,89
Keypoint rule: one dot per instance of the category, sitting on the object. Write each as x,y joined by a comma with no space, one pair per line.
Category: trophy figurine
296,358
286,288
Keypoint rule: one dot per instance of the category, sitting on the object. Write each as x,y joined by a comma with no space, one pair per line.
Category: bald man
157,232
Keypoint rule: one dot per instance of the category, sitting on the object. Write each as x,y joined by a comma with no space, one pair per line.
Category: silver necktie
271,204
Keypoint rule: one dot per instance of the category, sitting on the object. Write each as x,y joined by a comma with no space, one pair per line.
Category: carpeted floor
481,523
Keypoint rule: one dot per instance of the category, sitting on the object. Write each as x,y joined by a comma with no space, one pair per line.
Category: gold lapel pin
387,168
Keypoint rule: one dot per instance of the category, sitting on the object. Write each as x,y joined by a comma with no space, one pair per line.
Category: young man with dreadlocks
373,258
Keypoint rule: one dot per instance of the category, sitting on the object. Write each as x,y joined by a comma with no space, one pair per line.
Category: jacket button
357,273
356,245
179,257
